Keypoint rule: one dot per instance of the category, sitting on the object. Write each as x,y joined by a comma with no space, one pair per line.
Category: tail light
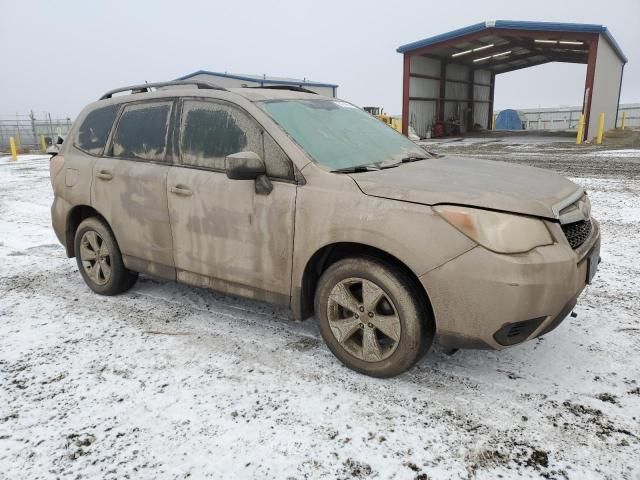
55,165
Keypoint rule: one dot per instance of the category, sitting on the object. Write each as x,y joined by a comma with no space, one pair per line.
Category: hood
472,182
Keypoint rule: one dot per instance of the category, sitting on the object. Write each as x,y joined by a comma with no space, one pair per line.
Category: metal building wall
326,91
566,118
456,93
606,86
422,113
462,84
482,95
561,118
224,81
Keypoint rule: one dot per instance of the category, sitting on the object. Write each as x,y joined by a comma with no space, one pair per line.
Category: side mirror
244,166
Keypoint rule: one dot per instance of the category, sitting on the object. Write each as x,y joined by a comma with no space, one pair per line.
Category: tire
99,259
392,327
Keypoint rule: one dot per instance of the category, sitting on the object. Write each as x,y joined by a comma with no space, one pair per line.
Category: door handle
104,175
181,190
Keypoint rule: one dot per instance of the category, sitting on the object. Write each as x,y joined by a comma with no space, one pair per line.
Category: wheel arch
76,215
303,298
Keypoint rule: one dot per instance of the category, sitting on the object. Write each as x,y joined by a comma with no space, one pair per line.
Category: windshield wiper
413,158
408,159
372,167
356,169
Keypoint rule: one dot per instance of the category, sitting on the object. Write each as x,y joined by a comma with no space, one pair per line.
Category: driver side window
210,131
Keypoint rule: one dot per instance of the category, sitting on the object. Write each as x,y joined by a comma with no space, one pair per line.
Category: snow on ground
168,381
9,158
507,139
628,153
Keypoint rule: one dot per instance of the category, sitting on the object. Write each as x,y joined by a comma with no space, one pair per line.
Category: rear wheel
372,316
99,259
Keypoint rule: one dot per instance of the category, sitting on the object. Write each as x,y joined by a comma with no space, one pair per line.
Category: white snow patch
623,153
24,157
168,381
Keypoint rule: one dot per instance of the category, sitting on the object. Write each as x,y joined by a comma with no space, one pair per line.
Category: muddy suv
293,198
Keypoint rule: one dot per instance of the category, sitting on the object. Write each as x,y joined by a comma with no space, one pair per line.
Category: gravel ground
555,152
168,381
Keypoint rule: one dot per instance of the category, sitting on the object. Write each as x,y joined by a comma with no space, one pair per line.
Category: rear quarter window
142,132
94,131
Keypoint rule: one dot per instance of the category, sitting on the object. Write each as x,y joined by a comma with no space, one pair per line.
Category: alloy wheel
363,319
95,257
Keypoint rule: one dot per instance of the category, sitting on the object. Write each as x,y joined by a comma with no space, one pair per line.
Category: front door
130,187
226,236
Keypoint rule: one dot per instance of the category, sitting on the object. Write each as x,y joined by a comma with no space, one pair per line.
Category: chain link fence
32,131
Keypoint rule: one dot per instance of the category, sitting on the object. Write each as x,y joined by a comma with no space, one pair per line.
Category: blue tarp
508,120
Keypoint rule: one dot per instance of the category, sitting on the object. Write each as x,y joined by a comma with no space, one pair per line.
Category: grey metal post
51,128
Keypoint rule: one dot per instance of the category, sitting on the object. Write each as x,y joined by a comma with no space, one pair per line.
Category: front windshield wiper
407,159
371,167
356,169
413,158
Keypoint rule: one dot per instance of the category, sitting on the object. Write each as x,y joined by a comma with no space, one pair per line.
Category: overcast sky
58,56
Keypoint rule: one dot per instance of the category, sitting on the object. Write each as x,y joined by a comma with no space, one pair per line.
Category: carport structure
450,78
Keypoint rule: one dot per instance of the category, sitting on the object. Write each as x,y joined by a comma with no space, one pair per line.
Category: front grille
577,232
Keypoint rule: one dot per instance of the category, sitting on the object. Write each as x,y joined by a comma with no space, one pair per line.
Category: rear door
226,236
130,186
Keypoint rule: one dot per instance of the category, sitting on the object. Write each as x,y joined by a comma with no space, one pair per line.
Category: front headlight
499,232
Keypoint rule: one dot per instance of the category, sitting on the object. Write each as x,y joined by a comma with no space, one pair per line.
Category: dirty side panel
134,202
226,233
331,209
71,187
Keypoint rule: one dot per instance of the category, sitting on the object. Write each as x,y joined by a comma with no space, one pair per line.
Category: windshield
339,135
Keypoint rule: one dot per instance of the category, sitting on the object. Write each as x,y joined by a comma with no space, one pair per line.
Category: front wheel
372,316
99,259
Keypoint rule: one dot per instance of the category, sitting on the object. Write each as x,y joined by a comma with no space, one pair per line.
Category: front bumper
480,297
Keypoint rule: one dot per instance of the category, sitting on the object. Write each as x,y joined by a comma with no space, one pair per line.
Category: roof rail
146,87
293,88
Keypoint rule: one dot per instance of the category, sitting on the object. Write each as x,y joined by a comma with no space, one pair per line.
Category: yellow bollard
624,118
43,145
12,145
600,128
580,130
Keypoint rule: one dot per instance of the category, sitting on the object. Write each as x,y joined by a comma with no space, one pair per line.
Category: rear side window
142,131
211,131
95,129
